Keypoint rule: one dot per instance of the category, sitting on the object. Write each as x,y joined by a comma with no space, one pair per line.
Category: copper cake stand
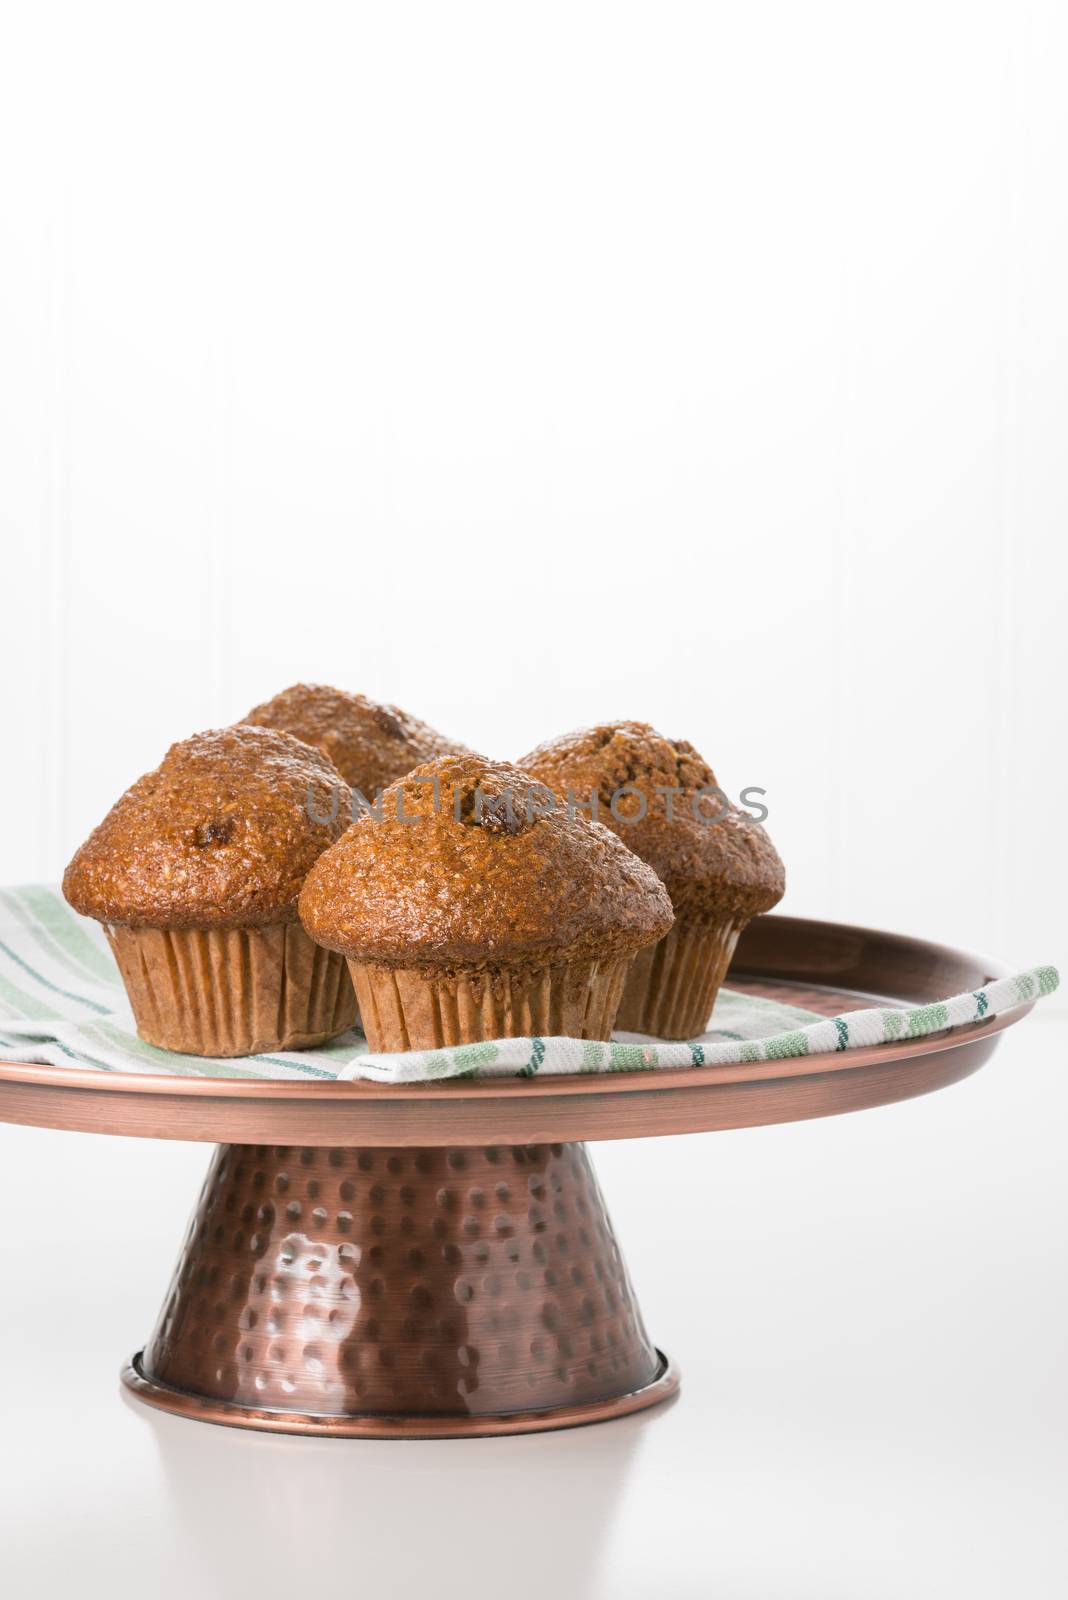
436,1260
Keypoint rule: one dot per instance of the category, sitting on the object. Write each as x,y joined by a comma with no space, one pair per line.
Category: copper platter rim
639,1080
812,963
656,1080
196,1408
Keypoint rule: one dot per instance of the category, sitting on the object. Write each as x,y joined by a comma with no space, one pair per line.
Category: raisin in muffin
466,914
194,874
371,745
718,865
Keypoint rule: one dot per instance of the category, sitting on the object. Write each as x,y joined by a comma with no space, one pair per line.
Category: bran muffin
194,874
718,865
466,915
371,745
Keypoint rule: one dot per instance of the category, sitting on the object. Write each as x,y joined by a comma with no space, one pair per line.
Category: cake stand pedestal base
401,1293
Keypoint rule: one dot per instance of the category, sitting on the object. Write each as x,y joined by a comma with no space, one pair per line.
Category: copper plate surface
821,965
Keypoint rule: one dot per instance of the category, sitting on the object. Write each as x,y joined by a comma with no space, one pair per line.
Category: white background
530,366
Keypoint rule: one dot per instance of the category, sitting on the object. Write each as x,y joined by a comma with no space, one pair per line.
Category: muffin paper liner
672,985
407,1009
233,991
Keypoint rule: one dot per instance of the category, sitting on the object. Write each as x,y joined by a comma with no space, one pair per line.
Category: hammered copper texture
401,1282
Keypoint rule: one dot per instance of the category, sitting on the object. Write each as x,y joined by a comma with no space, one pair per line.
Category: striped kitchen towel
62,1001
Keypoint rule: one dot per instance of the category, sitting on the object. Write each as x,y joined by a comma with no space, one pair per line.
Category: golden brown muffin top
711,867
471,880
371,745
220,835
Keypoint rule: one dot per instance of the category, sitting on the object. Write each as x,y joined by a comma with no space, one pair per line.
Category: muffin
466,914
195,873
370,744
719,869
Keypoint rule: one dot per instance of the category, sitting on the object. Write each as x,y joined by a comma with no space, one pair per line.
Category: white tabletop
870,1314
